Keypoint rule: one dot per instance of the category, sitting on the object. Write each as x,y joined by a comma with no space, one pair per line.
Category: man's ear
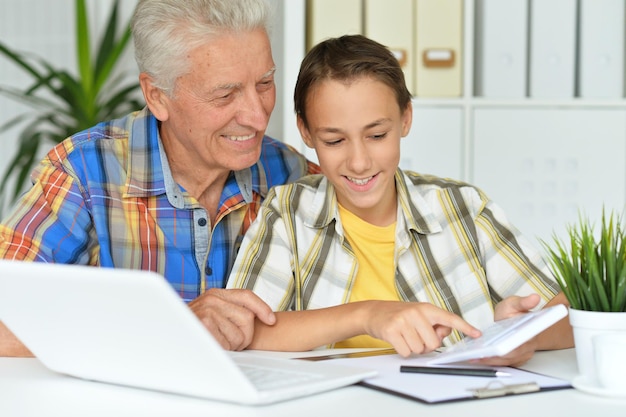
155,98
304,132
407,119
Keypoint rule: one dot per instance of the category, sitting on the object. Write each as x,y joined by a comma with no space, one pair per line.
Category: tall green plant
592,270
62,104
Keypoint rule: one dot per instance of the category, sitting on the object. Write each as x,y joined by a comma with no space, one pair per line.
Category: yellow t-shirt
374,248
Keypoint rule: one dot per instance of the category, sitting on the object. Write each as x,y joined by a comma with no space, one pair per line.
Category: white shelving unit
543,161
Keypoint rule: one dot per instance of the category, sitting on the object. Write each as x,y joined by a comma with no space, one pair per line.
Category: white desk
29,389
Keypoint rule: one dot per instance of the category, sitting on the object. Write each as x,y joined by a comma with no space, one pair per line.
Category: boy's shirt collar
416,211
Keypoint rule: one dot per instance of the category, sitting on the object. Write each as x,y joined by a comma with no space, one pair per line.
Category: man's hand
10,345
230,314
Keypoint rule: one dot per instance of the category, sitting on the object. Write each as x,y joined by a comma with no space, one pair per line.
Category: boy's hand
509,307
413,327
515,305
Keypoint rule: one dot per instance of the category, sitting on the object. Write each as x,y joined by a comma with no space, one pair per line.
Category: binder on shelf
438,48
390,22
501,48
552,48
601,55
331,18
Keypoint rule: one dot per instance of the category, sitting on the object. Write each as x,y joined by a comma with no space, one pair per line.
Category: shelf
577,103
541,160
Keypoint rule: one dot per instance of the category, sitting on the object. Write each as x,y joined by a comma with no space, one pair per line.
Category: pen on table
488,372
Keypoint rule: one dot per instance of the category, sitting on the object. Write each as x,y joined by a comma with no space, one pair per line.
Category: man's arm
10,345
230,315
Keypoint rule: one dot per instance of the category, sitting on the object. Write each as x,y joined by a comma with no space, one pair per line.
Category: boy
367,255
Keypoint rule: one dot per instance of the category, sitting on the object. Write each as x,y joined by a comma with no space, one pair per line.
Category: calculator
502,336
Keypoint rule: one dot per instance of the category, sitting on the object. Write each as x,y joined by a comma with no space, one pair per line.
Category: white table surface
27,388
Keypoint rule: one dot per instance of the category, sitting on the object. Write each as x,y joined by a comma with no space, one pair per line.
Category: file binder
438,48
390,22
331,18
602,33
501,48
552,48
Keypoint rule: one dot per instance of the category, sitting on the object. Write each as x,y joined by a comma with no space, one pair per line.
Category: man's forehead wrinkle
233,86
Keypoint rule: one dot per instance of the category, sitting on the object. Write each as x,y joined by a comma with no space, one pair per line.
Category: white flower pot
586,325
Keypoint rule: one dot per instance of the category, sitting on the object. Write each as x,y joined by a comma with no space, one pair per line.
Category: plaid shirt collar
417,214
149,173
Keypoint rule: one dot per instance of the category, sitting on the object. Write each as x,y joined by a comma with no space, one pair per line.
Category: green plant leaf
17,59
63,104
107,43
83,47
110,49
592,271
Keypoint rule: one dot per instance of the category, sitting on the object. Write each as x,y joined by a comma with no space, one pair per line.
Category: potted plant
64,104
591,270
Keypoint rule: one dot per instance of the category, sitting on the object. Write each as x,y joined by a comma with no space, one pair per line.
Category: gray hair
165,31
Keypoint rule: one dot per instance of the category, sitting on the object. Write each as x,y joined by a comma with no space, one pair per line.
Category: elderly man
171,188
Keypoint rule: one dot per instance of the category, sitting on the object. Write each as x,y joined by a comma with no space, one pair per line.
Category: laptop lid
129,327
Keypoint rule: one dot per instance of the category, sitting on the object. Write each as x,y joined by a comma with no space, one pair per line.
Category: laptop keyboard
268,378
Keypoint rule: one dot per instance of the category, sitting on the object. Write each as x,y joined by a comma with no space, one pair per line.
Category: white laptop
130,328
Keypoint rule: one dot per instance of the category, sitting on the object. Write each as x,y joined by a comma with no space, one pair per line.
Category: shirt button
202,222
208,270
